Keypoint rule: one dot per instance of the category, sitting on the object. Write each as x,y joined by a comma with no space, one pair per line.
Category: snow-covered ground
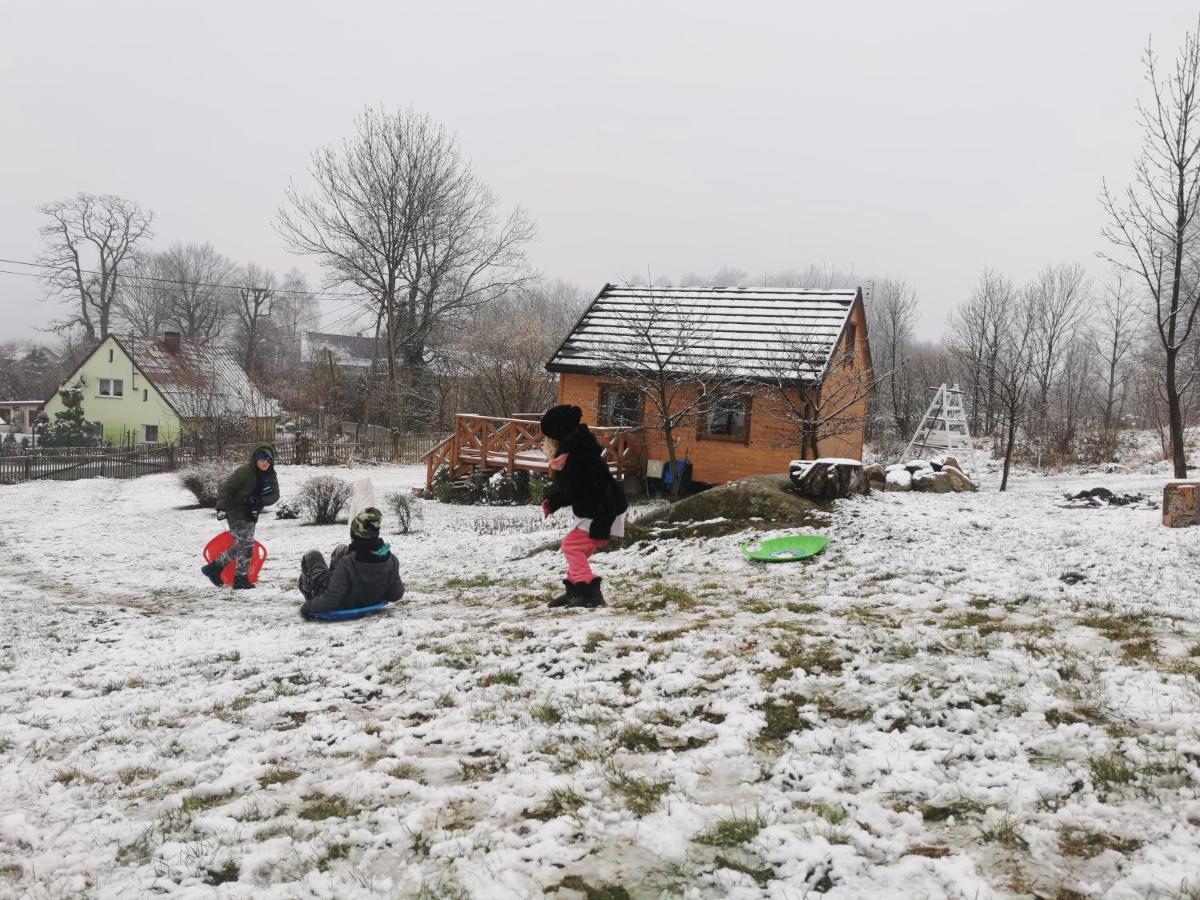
966,696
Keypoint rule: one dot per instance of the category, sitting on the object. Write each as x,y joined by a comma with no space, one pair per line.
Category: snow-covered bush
286,510
442,487
489,488
204,480
499,490
406,511
323,497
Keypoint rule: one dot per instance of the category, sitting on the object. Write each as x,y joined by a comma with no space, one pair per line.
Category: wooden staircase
515,445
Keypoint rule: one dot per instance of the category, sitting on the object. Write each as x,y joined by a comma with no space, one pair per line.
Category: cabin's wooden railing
516,445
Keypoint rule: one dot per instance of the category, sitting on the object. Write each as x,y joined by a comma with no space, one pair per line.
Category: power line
177,281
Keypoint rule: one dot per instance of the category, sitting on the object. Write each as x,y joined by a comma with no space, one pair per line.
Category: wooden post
1181,504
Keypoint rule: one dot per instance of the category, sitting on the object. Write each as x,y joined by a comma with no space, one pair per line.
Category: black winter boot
213,573
242,583
590,596
567,598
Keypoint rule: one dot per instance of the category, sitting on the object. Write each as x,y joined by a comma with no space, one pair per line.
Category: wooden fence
69,464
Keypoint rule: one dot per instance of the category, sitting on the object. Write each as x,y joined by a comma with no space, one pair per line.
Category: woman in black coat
582,481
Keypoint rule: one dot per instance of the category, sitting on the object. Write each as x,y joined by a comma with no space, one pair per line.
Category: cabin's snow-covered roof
760,334
198,380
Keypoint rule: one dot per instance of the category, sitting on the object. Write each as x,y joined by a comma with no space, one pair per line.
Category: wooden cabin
777,350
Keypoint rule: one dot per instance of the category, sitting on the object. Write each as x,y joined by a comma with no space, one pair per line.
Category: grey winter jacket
355,583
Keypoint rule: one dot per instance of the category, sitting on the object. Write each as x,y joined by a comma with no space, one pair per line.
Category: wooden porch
515,445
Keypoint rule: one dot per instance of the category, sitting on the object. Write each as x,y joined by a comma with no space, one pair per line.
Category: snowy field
966,696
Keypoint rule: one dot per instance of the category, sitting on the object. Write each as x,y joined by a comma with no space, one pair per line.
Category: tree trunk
1010,441
1175,418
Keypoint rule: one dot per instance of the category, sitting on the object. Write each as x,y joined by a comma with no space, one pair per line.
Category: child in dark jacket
582,481
243,496
362,574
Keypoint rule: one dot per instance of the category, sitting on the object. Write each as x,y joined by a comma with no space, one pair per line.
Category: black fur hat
559,421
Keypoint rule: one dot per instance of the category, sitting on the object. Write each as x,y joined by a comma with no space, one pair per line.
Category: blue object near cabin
338,615
683,467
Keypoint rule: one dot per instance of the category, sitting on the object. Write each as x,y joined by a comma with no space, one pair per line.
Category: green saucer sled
785,549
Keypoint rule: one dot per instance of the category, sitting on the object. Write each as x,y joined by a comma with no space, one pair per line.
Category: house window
727,419
150,434
851,335
145,395
620,406
110,387
110,355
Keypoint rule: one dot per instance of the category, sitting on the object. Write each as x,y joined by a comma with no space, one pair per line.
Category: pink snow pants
577,547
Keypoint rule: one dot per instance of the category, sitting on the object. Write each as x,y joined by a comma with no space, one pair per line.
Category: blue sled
337,615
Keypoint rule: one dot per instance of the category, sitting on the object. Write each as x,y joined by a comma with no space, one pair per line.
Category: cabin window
110,387
110,355
145,394
851,336
150,434
727,419
619,406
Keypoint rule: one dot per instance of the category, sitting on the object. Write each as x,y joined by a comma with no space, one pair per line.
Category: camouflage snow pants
243,546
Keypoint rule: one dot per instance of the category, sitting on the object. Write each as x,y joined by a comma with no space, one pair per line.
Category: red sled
223,542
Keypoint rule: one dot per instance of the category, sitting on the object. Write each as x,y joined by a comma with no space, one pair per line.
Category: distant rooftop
347,350
198,380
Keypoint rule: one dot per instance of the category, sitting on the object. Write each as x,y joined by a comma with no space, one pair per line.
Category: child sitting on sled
365,573
583,482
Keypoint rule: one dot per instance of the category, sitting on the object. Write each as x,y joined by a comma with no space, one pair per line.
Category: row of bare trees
99,259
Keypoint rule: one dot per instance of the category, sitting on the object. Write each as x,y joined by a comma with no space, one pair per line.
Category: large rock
958,481
769,497
876,477
898,479
829,479
933,482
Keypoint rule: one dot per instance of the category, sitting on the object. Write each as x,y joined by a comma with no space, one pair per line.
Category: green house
157,390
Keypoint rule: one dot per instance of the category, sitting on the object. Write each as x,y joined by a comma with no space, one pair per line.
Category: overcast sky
919,140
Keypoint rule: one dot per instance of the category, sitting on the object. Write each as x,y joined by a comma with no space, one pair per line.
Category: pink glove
545,509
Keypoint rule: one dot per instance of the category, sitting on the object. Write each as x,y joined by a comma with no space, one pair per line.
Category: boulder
769,497
933,482
829,479
958,481
898,479
917,465
875,475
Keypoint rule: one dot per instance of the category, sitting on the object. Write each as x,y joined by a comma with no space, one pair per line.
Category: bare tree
144,301
816,394
197,288
1114,341
662,351
502,357
1013,376
892,313
977,333
1152,223
252,299
1057,300
89,242
397,212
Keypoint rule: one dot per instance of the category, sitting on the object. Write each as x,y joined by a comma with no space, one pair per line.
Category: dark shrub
406,511
204,480
323,497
